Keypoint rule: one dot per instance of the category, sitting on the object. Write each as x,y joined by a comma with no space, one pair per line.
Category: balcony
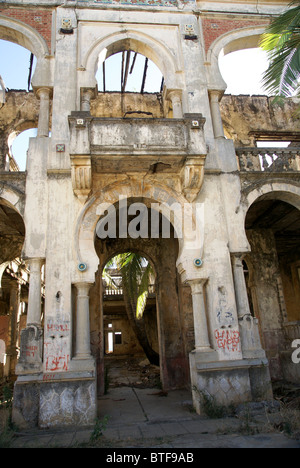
270,160
145,145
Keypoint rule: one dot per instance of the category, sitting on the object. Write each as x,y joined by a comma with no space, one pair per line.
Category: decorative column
175,98
86,95
200,321
250,339
43,125
216,114
31,339
14,303
241,295
203,353
34,296
83,347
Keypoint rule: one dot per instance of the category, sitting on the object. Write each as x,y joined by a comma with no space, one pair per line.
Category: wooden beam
126,71
103,73
144,75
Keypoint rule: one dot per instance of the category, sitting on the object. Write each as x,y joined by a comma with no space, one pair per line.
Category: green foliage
100,426
281,41
136,272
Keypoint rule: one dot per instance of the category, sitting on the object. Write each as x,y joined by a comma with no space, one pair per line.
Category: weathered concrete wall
245,118
118,104
265,277
61,197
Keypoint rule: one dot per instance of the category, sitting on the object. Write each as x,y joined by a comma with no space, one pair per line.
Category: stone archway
272,226
173,306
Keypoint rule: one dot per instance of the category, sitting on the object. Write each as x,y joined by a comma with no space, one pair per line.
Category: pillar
43,125
31,337
86,96
216,114
83,347
249,331
241,295
34,296
199,312
175,98
11,353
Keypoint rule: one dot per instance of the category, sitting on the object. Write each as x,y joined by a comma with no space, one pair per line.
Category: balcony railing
269,159
118,291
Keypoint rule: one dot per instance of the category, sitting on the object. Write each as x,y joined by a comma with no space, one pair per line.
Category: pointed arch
13,30
137,42
238,39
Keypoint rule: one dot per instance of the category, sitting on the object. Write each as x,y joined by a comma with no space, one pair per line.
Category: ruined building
224,307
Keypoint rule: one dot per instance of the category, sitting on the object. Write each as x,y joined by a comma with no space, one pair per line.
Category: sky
241,71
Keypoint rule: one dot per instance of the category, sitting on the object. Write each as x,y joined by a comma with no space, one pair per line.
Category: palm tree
137,274
281,41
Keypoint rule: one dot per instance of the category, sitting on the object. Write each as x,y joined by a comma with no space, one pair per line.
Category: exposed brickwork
37,18
215,27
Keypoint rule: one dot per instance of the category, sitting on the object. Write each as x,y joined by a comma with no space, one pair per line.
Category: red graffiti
57,363
228,339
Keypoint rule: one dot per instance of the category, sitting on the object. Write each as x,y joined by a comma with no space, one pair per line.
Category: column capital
215,94
43,91
35,264
83,287
197,285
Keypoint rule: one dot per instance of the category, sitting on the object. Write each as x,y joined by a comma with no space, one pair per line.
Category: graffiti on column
56,345
228,339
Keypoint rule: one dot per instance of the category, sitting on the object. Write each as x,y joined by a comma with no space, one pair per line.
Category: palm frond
281,41
136,272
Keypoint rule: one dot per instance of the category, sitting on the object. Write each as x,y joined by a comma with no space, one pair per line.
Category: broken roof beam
125,74
144,75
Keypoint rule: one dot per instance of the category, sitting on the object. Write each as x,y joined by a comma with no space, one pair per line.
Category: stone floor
135,414
129,371
135,418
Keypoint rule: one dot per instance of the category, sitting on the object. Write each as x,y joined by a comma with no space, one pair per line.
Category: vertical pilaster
216,114
43,125
249,332
200,320
34,296
83,347
176,99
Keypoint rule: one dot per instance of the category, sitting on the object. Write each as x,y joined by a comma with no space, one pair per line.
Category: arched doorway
169,315
130,328
13,286
273,228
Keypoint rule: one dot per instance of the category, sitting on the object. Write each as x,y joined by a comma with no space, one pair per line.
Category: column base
227,383
82,363
55,400
31,350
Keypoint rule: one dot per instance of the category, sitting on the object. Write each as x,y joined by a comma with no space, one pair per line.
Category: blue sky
241,71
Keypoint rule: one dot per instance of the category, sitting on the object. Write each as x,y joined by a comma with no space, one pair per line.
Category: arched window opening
18,146
273,227
129,85
242,71
16,73
129,71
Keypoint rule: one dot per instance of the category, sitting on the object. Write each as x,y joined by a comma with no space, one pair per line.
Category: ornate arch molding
20,33
283,191
11,247
13,198
238,39
137,42
84,234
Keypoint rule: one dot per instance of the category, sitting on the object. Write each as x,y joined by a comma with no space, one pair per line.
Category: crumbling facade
227,281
